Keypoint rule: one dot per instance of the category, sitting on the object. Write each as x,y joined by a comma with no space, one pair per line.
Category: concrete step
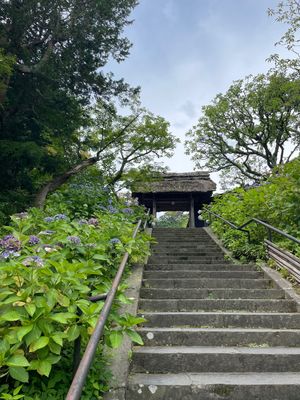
208,283
178,359
222,320
187,260
253,305
200,267
220,337
199,253
202,274
211,293
186,245
214,386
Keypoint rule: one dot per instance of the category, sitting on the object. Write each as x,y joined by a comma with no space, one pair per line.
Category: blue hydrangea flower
60,217
33,240
49,219
114,241
9,253
34,260
112,209
74,239
82,222
127,210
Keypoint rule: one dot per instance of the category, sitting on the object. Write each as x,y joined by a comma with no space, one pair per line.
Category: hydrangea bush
50,263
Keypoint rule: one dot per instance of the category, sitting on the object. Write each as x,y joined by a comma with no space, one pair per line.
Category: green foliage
249,130
287,12
51,64
173,219
50,263
276,202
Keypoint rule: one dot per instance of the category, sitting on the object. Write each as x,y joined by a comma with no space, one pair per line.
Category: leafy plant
50,263
276,202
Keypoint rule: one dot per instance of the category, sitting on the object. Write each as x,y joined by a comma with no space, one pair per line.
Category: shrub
50,263
277,202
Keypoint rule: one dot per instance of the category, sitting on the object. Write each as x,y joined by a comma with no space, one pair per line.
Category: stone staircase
215,330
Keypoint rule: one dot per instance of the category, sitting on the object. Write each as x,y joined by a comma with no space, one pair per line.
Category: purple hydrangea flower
9,253
93,221
114,241
34,260
9,242
74,239
60,217
33,240
127,210
49,219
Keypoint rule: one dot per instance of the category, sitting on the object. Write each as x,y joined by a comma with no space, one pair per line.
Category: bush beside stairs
215,329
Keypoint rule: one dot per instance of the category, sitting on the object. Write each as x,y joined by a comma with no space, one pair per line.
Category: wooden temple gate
177,192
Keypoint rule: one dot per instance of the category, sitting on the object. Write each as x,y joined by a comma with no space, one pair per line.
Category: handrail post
270,236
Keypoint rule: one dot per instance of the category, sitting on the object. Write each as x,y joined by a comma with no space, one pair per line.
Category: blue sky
186,51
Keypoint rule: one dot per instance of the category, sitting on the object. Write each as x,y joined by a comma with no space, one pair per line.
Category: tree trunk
56,182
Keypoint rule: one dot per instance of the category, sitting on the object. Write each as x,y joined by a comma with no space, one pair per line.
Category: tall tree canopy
250,129
53,55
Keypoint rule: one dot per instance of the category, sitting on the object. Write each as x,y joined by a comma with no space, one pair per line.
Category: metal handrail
269,227
81,373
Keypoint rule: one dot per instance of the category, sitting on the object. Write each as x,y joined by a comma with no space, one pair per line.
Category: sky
185,52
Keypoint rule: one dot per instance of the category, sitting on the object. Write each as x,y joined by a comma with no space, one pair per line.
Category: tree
173,219
288,12
250,129
116,144
54,53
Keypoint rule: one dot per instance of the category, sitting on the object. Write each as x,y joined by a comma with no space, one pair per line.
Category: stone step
211,293
214,386
169,240
200,267
208,283
222,320
178,359
197,254
188,246
220,337
187,260
202,274
253,305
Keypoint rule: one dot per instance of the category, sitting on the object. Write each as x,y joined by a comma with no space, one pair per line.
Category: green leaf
10,316
63,300
57,339
101,257
39,344
63,318
19,373
135,337
115,338
21,332
30,308
17,390
73,333
17,360
44,367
